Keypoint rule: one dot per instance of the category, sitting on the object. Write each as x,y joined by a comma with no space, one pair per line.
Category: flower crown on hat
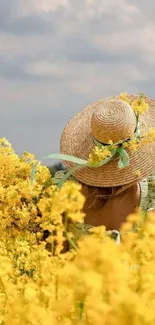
103,153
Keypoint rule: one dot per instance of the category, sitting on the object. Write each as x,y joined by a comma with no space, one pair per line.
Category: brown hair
96,196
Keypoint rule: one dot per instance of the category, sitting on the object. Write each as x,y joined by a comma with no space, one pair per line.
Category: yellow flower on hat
138,173
124,145
148,137
133,144
123,96
99,154
152,134
140,106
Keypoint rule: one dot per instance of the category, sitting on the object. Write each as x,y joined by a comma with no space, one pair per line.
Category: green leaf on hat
98,144
80,163
66,158
123,158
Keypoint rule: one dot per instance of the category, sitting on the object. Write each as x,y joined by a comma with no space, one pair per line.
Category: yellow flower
148,137
152,134
125,145
140,106
138,173
99,154
134,144
95,281
4,142
123,97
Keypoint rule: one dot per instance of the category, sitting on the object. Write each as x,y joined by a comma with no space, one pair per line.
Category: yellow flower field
96,282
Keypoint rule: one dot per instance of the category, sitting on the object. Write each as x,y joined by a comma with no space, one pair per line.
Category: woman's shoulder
151,191
148,193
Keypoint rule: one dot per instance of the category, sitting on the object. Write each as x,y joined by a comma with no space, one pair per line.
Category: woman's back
118,208
112,212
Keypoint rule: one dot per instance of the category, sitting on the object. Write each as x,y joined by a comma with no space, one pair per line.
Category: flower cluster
99,154
141,137
34,209
139,105
97,282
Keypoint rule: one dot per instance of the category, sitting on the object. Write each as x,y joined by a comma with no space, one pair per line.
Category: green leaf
58,176
66,158
137,131
33,172
69,173
123,158
80,164
98,144
142,95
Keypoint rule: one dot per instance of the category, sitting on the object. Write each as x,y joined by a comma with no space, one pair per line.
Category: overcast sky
56,56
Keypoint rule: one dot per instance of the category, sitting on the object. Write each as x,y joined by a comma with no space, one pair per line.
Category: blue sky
56,56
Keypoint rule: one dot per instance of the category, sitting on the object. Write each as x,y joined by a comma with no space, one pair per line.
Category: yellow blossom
134,144
151,134
95,281
125,145
140,105
124,97
99,154
138,173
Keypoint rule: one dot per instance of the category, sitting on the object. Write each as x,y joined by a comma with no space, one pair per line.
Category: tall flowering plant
95,282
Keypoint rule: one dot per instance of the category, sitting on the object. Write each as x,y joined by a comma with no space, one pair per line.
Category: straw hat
104,120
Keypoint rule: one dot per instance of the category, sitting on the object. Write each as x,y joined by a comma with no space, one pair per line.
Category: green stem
81,306
71,242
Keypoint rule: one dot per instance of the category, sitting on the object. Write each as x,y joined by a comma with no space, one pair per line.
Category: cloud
31,6
26,25
13,68
46,68
28,17
146,8
56,56
99,7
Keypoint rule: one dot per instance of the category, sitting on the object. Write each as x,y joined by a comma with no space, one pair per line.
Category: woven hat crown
113,120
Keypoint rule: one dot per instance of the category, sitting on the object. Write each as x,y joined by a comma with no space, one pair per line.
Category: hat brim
76,140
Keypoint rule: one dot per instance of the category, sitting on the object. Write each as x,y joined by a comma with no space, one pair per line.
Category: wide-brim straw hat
109,119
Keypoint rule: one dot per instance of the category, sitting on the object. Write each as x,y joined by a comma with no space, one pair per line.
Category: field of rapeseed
95,282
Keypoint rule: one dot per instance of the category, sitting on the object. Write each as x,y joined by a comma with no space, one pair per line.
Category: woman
115,141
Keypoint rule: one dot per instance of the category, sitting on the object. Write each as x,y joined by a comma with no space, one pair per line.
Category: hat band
136,134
